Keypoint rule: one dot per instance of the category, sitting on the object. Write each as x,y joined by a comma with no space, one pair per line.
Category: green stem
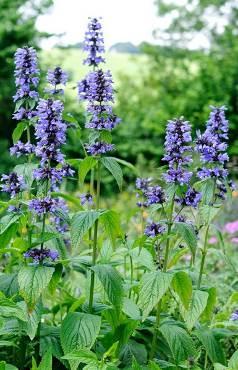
42,231
132,275
91,192
95,237
204,253
166,258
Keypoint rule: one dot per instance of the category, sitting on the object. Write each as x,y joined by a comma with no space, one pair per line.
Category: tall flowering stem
97,90
212,146
177,155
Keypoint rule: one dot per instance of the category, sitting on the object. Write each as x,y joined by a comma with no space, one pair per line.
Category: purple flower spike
26,73
178,138
99,148
154,229
97,87
191,198
21,148
94,43
86,198
155,195
43,206
234,316
12,184
55,78
39,255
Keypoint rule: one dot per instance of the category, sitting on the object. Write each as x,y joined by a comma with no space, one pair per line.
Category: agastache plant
97,90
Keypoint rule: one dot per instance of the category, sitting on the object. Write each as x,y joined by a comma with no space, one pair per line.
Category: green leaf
126,164
211,345
131,309
196,308
133,350
111,222
143,257
85,166
7,221
152,288
32,281
81,223
211,302
33,319
208,213
207,189
106,136
46,362
182,285
233,362
84,356
188,234
9,308
112,283
114,168
8,235
18,131
180,343
9,284
79,330
55,278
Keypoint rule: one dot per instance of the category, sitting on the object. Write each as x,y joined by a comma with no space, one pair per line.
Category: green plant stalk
158,311
95,237
91,192
132,275
204,253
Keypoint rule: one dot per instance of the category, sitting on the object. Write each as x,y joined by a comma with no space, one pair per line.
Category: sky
123,20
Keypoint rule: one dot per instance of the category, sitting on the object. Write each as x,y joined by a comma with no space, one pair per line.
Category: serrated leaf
126,164
85,166
180,343
196,308
111,222
81,223
83,355
32,281
208,213
182,285
9,284
211,345
233,362
143,257
79,330
112,283
187,233
33,319
208,312
7,221
114,168
131,309
18,131
46,362
8,308
152,288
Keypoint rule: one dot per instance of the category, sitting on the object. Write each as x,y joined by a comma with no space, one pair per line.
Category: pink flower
232,227
212,240
234,240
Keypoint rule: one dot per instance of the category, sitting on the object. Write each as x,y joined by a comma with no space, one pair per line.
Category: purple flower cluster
234,316
12,184
59,221
97,89
39,255
94,43
21,148
99,147
212,145
26,73
154,229
190,198
154,195
86,198
43,205
56,77
178,136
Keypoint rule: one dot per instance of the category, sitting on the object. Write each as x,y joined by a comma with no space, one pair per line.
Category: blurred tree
17,28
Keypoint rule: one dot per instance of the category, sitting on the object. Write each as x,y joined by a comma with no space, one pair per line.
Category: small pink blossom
212,240
234,240
232,227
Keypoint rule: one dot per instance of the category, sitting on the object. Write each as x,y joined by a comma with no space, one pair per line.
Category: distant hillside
125,47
